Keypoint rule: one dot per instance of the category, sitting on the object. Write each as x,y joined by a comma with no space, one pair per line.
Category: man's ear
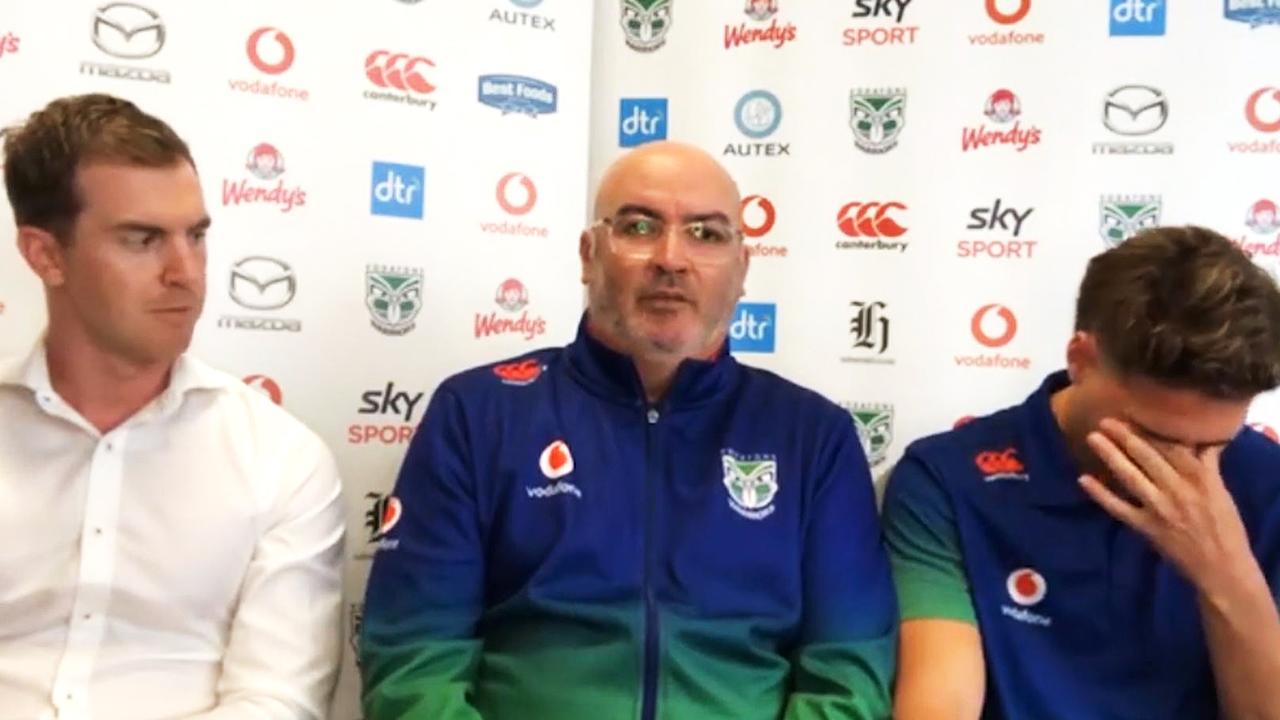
584,253
45,255
1082,355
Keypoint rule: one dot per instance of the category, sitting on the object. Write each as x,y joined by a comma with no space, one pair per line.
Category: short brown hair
42,155
1187,308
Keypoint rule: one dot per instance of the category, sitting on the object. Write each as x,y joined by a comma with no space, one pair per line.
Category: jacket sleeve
418,649
843,666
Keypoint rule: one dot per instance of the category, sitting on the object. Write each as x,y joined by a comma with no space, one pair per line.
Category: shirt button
653,416
97,531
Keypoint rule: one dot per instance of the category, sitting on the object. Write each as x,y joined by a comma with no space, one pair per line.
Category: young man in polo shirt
1111,547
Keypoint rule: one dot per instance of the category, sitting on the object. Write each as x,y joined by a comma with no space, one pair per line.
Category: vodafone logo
266,386
280,50
1254,113
761,214
1026,587
556,460
1007,18
873,220
516,201
391,515
979,324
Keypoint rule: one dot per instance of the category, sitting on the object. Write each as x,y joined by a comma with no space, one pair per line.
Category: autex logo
994,326
397,190
1001,465
1137,18
555,462
753,328
641,120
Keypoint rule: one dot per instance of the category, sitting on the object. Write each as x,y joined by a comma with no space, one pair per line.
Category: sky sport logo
1002,220
889,10
387,404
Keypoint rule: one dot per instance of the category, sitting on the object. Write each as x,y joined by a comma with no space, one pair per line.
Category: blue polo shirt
1080,617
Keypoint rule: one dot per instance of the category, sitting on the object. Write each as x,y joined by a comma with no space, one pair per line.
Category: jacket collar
613,376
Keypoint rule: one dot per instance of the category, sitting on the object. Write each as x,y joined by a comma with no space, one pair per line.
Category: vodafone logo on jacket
1026,587
556,460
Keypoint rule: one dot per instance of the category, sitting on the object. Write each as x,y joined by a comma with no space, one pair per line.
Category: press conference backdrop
398,187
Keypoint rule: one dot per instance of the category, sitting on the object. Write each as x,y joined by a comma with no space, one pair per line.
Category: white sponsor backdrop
930,257
287,163
876,311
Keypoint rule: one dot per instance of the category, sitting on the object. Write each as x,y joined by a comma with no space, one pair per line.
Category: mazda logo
1135,110
128,30
262,283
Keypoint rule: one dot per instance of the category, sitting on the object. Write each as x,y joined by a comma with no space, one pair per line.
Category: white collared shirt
187,563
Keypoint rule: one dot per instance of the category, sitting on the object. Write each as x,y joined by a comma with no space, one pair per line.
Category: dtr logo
641,120
1137,17
397,190
753,327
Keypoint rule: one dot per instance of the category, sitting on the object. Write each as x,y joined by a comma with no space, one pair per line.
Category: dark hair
43,154
1187,308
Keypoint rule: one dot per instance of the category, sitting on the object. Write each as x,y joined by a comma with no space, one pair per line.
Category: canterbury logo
1000,465
398,70
870,220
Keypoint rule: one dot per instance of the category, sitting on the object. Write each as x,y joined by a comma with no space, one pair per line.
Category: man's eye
640,228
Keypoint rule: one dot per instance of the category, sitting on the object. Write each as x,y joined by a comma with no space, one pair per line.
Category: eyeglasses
637,236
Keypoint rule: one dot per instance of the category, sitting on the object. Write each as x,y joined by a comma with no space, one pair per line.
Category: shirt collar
613,375
1055,473
188,373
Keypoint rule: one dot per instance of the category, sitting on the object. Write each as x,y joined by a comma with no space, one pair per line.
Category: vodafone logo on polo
757,215
556,463
1026,588
993,326
271,52
516,195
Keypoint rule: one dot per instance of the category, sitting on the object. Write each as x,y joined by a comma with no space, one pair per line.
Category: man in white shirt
170,540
